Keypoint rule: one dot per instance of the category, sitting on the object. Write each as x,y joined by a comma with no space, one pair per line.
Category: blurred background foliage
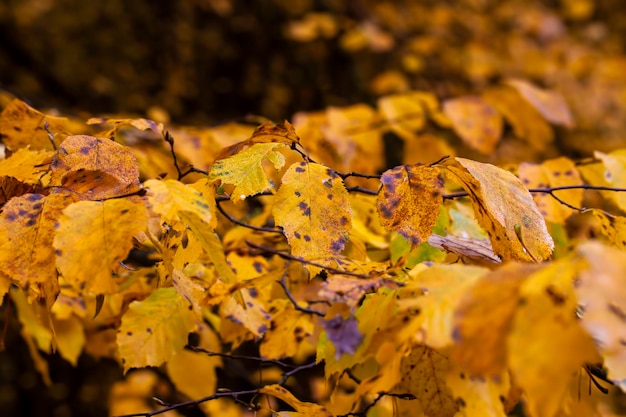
211,61
207,61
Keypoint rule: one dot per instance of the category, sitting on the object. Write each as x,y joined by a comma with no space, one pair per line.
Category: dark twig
361,190
380,396
222,393
293,301
290,257
358,175
46,127
243,357
243,224
170,139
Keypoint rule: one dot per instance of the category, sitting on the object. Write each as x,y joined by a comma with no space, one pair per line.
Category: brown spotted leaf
505,209
313,209
409,199
93,237
27,229
95,168
423,375
613,228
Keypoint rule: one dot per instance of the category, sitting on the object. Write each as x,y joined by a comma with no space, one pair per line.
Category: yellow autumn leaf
170,197
505,209
546,342
26,165
313,209
527,122
409,199
245,169
154,329
424,375
551,105
91,239
303,409
614,165
27,230
613,228
476,122
287,331
35,320
557,172
22,126
404,113
484,318
601,291
70,336
478,397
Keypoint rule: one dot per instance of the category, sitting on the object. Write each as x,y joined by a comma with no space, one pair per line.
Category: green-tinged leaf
170,197
245,169
154,329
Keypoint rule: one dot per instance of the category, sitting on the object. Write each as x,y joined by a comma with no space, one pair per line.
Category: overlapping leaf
170,197
505,209
475,121
313,209
409,201
154,329
95,168
93,237
27,230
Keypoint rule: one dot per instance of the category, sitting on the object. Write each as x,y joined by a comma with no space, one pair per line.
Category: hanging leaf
313,209
409,199
601,292
154,329
505,209
27,230
93,237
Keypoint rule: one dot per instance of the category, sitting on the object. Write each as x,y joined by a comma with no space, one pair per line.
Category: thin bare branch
243,224
293,301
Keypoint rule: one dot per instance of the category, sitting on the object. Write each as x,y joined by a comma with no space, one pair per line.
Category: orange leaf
95,168
484,318
26,165
505,209
551,105
527,122
313,209
409,200
475,121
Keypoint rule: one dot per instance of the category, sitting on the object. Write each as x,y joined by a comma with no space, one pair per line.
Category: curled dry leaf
470,250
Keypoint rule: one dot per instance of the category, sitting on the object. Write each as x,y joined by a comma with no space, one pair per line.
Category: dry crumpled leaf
505,209
470,250
409,199
95,168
